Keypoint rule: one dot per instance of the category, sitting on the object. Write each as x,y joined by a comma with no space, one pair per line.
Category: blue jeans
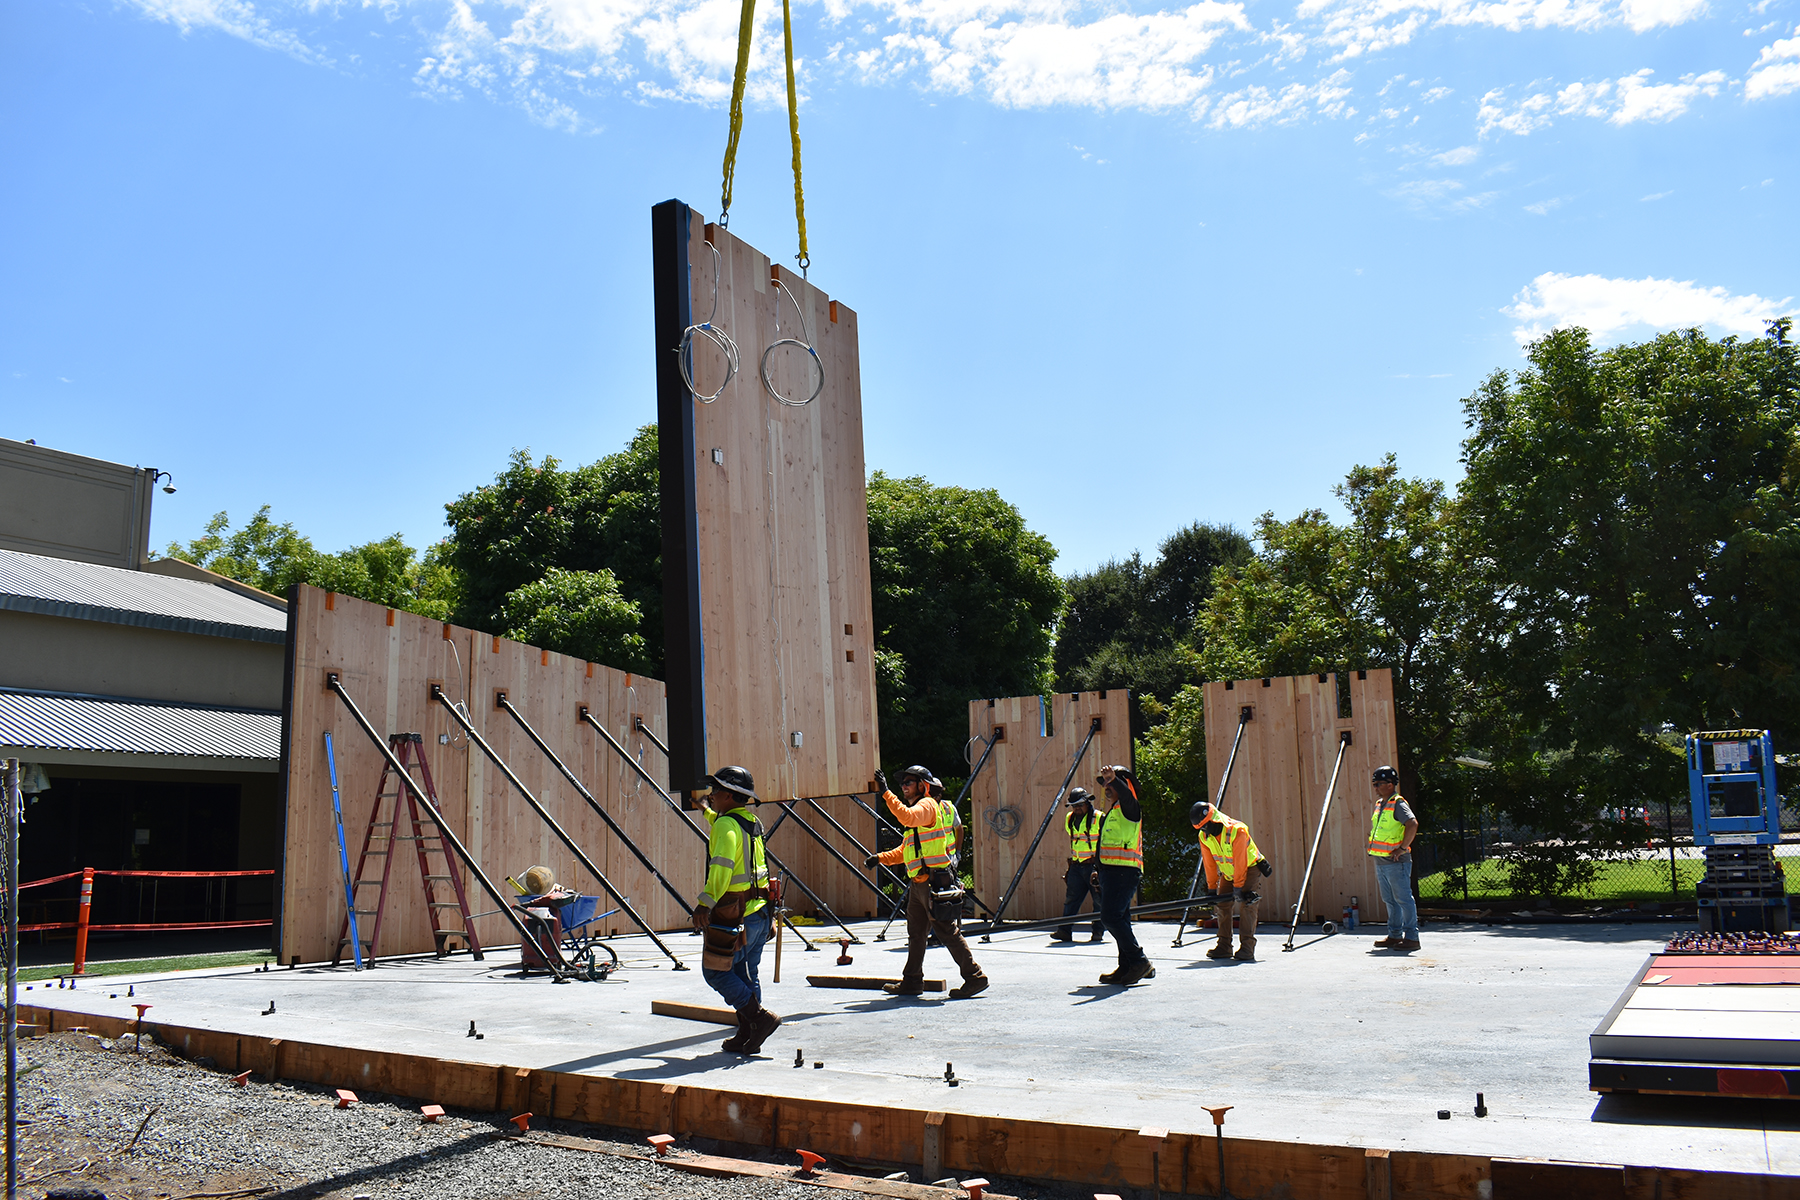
1395,880
739,986
1117,886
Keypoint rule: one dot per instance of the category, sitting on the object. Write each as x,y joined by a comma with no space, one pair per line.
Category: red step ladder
380,841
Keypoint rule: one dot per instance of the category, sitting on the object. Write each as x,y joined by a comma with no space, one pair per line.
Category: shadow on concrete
659,1050
1608,932
1698,1112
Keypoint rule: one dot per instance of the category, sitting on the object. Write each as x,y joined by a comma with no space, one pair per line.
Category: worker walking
1392,829
1081,880
1230,855
934,891
1121,870
733,912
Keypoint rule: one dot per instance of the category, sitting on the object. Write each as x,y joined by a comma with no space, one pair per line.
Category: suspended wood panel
1019,786
1283,769
771,647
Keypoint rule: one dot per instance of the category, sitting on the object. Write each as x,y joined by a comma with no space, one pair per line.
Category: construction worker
1392,829
733,912
1080,880
1121,869
928,850
1229,856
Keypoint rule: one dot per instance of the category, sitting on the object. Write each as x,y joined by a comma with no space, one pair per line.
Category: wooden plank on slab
694,1012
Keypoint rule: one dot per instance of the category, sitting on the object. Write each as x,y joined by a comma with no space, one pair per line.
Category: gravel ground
154,1126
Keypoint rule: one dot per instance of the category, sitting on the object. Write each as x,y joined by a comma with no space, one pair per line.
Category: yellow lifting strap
746,26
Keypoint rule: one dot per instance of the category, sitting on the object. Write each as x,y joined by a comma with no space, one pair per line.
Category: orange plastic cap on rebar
973,1187
523,1121
809,1160
431,1112
345,1098
1218,1114
660,1142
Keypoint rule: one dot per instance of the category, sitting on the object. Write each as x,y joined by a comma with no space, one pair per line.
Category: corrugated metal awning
48,726
87,591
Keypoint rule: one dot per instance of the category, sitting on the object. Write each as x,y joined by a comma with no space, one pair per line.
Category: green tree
538,516
274,557
1639,539
579,613
964,596
1126,624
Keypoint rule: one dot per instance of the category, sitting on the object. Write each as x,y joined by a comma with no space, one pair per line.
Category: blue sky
1131,265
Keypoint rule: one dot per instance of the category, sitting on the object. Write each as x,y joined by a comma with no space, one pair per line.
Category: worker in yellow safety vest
1081,879
1121,855
1229,855
1392,828
934,890
733,913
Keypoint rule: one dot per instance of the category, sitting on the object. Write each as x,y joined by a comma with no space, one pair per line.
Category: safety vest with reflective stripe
929,846
735,862
1084,835
1220,847
1121,840
1386,831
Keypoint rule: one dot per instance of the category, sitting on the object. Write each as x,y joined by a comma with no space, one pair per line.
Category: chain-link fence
1485,858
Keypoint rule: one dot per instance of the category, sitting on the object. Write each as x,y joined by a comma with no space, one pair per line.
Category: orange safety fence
83,927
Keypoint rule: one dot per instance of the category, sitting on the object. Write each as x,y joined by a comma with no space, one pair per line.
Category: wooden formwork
765,525
1040,738
1184,1162
1283,768
388,660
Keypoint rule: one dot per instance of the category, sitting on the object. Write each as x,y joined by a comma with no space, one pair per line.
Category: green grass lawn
151,966
1639,879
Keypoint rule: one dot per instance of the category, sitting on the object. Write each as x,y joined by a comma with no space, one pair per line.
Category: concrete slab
1333,1043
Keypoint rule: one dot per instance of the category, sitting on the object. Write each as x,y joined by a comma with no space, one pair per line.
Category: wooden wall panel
1023,775
1282,772
387,668
786,636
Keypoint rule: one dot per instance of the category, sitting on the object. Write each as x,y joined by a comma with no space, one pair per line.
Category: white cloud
1455,158
1358,27
1256,105
238,18
1603,306
1625,101
1776,71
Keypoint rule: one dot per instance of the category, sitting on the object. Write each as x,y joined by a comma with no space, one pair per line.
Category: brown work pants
1246,915
919,922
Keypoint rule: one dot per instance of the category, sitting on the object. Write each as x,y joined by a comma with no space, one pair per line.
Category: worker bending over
1121,870
1229,855
934,891
733,912
1080,879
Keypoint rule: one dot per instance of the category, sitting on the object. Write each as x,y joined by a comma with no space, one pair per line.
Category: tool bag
946,893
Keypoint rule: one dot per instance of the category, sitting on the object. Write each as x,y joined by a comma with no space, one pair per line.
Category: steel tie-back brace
584,714
1325,811
552,956
581,856
1244,715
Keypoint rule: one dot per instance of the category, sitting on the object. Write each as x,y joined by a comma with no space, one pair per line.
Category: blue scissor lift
1737,822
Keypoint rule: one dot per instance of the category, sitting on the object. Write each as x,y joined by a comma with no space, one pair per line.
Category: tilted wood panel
1021,781
1283,769
786,630
387,669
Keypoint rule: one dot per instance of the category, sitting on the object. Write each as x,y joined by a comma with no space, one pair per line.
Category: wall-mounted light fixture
168,487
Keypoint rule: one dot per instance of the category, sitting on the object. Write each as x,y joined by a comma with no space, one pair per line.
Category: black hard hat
1385,775
917,772
734,779
1201,810
1079,795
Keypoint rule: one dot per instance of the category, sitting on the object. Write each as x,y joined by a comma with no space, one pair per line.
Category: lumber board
694,1012
1282,773
1021,779
778,527
867,982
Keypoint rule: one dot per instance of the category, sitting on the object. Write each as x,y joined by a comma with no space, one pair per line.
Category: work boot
1387,943
1112,976
1245,954
736,1042
1408,946
762,1024
1135,973
1062,935
906,987
1222,950
1098,937
973,985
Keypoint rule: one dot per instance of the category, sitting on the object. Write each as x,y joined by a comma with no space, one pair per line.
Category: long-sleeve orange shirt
1240,859
922,815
